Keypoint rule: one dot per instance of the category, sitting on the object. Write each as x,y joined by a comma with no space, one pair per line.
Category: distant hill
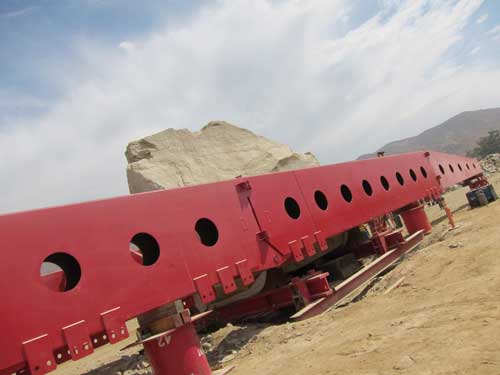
457,135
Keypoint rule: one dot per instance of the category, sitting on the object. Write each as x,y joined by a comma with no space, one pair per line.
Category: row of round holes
293,209
459,167
207,231
144,249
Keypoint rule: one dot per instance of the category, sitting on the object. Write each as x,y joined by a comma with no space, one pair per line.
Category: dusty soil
443,318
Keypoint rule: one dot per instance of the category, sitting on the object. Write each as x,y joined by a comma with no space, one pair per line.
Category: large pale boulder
219,151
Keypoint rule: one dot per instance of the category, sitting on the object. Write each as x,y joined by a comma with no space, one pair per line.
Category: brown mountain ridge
457,135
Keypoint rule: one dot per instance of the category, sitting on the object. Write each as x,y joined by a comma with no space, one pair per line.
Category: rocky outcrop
219,151
491,163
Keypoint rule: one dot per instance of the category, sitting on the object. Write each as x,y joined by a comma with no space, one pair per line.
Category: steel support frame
359,279
299,292
256,230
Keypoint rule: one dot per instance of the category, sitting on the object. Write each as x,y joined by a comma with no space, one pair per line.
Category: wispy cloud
297,72
126,46
482,18
495,30
474,51
18,12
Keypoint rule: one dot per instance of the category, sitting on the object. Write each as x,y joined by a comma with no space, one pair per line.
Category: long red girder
254,232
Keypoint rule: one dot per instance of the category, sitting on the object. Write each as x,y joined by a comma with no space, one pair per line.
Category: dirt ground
443,318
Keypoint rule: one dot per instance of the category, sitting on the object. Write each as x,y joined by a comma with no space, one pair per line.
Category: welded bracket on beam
243,186
226,279
77,338
114,324
204,288
308,245
39,355
320,239
296,249
244,271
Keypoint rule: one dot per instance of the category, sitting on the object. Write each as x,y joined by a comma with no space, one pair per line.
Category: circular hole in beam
346,193
207,231
423,171
459,167
413,175
320,199
400,178
60,272
144,249
451,168
384,183
467,165
292,208
367,188
441,169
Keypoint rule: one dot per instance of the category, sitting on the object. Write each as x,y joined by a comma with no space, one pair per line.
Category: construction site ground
437,312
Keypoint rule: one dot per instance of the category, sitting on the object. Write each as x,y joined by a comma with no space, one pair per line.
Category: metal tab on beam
296,249
226,279
77,338
245,273
39,355
204,288
308,244
115,326
321,241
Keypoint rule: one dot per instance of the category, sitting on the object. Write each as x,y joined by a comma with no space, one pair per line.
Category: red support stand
416,219
177,353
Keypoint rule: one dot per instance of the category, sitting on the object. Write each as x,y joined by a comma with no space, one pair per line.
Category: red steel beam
261,222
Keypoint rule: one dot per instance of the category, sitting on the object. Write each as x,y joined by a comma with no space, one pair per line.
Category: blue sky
42,39
79,79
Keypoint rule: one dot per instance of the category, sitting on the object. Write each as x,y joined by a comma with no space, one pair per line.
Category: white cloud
474,51
482,18
495,30
127,46
18,13
293,71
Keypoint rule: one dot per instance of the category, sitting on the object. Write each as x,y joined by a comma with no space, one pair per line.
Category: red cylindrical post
178,353
416,219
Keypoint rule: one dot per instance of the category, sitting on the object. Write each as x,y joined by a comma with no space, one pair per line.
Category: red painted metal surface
260,223
415,219
453,169
177,353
